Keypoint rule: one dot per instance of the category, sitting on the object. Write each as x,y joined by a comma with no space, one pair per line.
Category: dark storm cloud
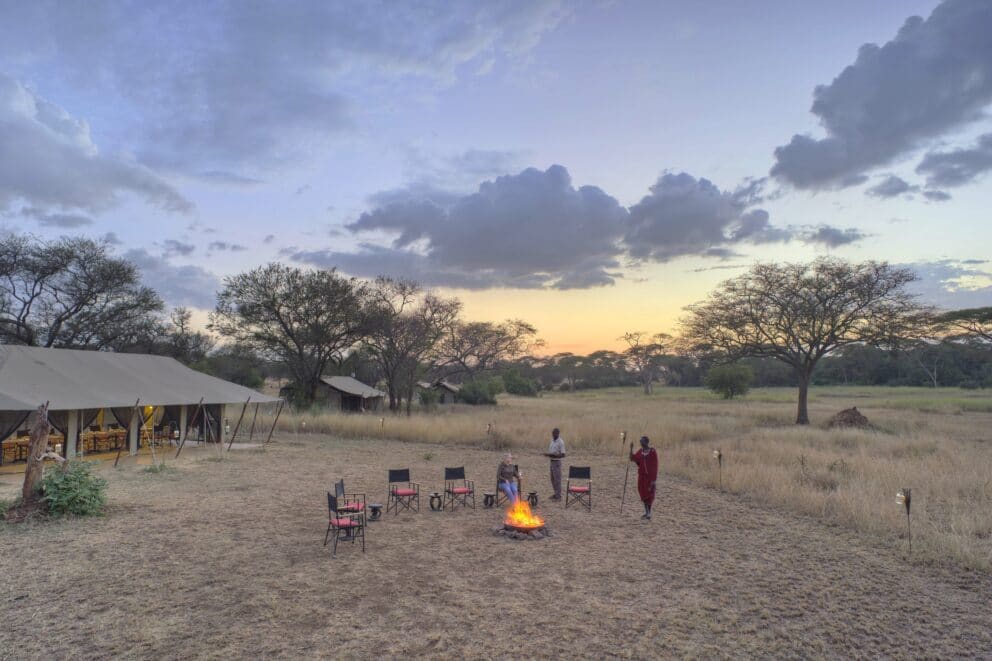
933,77
536,229
683,216
48,161
176,284
833,237
959,166
533,228
251,83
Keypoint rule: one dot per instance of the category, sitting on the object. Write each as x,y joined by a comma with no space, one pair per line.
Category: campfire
521,523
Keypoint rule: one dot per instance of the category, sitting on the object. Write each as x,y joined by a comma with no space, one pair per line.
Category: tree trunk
30,495
802,414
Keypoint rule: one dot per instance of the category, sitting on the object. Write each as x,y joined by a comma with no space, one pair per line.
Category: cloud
936,195
64,220
252,84
891,186
178,247
933,77
958,167
833,237
49,161
176,284
269,238
111,238
529,229
683,216
953,284
224,245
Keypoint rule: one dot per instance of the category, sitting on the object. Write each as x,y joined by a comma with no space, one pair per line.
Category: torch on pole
626,475
904,497
719,466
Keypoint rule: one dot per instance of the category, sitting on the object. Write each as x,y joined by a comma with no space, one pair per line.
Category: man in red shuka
647,473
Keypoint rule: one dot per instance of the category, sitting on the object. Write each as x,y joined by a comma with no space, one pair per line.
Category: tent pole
251,432
188,423
237,426
134,411
278,412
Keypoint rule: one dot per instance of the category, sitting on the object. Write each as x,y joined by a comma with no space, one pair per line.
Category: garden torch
904,497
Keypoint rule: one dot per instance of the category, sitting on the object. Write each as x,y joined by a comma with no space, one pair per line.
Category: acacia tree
406,328
798,313
478,346
71,293
302,319
645,356
971,323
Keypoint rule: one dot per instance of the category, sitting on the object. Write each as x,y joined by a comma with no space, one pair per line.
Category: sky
590,167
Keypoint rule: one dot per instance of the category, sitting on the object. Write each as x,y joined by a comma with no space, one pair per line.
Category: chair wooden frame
347,527
457,489
579,493
407,497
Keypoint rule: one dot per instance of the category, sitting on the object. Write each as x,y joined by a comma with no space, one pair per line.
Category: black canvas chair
457,490
402,497
581,492
347,527
349,503
500,496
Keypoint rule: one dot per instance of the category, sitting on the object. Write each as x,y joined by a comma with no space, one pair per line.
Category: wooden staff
251,432
278,412
134,412
238,425
626,476
182,442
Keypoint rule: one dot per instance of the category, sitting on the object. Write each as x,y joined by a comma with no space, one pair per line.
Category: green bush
429,399
729,380
518,385
73,489
480,391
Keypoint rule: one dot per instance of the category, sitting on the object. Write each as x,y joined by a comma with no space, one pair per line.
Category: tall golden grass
936,442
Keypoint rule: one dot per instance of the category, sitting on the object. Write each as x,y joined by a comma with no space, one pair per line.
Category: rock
849,418
537,534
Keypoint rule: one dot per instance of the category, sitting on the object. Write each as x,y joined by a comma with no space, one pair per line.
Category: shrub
480,391
729,380
429,399
518,385
970,384
74,489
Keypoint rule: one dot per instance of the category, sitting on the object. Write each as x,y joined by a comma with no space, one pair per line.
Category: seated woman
506,478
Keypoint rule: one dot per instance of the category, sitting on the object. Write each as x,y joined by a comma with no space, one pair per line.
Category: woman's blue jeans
509,489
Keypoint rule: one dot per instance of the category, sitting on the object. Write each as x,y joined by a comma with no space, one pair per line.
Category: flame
520,516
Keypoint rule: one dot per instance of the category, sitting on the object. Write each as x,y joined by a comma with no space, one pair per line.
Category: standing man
647,473
556,451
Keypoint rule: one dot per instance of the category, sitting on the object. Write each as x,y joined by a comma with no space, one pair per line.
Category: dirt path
220,559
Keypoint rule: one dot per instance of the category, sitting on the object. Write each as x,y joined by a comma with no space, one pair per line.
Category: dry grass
222,558
936,442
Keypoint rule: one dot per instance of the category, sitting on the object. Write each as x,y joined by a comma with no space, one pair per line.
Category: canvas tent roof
71,380
351,386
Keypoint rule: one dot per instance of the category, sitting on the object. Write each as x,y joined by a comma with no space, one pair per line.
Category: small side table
375,511
532,498
437,502
488,500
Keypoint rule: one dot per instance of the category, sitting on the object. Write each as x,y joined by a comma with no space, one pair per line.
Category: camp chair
349,503
500,496
346,527
579,493
402,497
457,489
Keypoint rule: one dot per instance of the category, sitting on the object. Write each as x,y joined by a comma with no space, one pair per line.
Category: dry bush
850,476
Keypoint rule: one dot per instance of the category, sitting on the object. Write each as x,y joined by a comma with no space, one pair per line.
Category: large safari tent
98,400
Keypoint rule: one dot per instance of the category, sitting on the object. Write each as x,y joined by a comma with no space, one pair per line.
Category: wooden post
251,432
71,435
185,433
278,413
119,446
237,426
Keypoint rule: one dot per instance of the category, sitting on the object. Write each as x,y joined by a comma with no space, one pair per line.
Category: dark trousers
556,478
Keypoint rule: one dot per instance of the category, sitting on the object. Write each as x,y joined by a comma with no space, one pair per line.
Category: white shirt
557,447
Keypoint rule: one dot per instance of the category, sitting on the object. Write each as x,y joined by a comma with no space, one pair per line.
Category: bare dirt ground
220,559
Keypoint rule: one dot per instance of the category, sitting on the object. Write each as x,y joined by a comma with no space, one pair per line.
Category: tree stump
37,453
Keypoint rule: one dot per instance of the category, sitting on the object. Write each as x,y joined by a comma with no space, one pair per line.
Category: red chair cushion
579,489
461,490
351,507
404,493
344,523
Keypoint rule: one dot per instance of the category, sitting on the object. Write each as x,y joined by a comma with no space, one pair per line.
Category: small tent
347,393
